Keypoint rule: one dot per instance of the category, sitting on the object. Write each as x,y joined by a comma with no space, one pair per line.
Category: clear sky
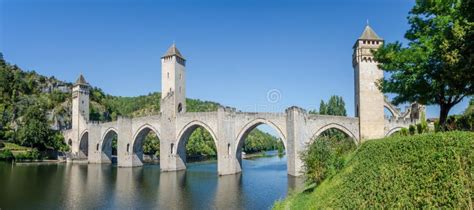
237,51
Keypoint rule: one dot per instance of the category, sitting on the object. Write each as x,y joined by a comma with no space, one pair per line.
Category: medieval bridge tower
369,100
92,141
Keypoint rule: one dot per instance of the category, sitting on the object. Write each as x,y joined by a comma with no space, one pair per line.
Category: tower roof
369,34
173,51
81,81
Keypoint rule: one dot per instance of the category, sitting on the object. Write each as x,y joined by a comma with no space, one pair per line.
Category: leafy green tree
151,144
335,106
323,109
200,143
435,67
34,130
258,141
57,142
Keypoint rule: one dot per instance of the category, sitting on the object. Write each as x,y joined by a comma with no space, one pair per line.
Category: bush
6,154
457,123
324,157
318,161
419,128
33,154
404,132
2,145
411,129
462,122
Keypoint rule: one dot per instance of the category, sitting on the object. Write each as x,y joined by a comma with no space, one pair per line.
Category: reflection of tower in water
126,187
75,190
171,191
228,195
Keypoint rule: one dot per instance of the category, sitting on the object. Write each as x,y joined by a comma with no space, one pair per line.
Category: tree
436,65
335,106
151,144
34,130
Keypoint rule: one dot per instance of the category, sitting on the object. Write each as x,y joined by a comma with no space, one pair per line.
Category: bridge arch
244,132
252,125
139,139
393,130
185,133
105,144
84,144
337,126
391,108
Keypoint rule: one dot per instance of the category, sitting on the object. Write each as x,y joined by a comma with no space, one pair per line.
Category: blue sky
237,51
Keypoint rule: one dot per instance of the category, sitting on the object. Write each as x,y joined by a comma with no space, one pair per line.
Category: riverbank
428,170
261,154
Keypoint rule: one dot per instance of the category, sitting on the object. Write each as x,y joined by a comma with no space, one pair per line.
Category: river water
96,186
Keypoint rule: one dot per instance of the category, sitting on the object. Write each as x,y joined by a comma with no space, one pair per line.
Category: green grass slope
430,170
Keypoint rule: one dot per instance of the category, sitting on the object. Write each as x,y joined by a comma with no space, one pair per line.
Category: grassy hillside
429,170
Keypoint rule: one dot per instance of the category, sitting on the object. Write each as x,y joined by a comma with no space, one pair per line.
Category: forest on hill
34,108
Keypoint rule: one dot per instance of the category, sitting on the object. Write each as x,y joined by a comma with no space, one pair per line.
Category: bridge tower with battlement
369,100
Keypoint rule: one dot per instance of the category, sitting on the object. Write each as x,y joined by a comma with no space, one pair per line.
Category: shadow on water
105,186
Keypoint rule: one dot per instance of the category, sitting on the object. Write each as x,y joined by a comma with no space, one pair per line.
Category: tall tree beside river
436,65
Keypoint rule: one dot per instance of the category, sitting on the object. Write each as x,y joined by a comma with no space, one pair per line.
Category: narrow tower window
180,107
168,75
172,148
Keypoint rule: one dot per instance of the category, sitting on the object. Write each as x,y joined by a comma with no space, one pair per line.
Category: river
95,186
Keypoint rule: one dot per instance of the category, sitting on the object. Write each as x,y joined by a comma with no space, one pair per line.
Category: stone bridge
295,127
228,128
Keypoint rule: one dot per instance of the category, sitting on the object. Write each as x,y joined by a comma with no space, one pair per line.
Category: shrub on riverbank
6,154
30,155
325,157
428,170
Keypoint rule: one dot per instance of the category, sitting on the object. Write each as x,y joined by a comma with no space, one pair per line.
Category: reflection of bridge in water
229,127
